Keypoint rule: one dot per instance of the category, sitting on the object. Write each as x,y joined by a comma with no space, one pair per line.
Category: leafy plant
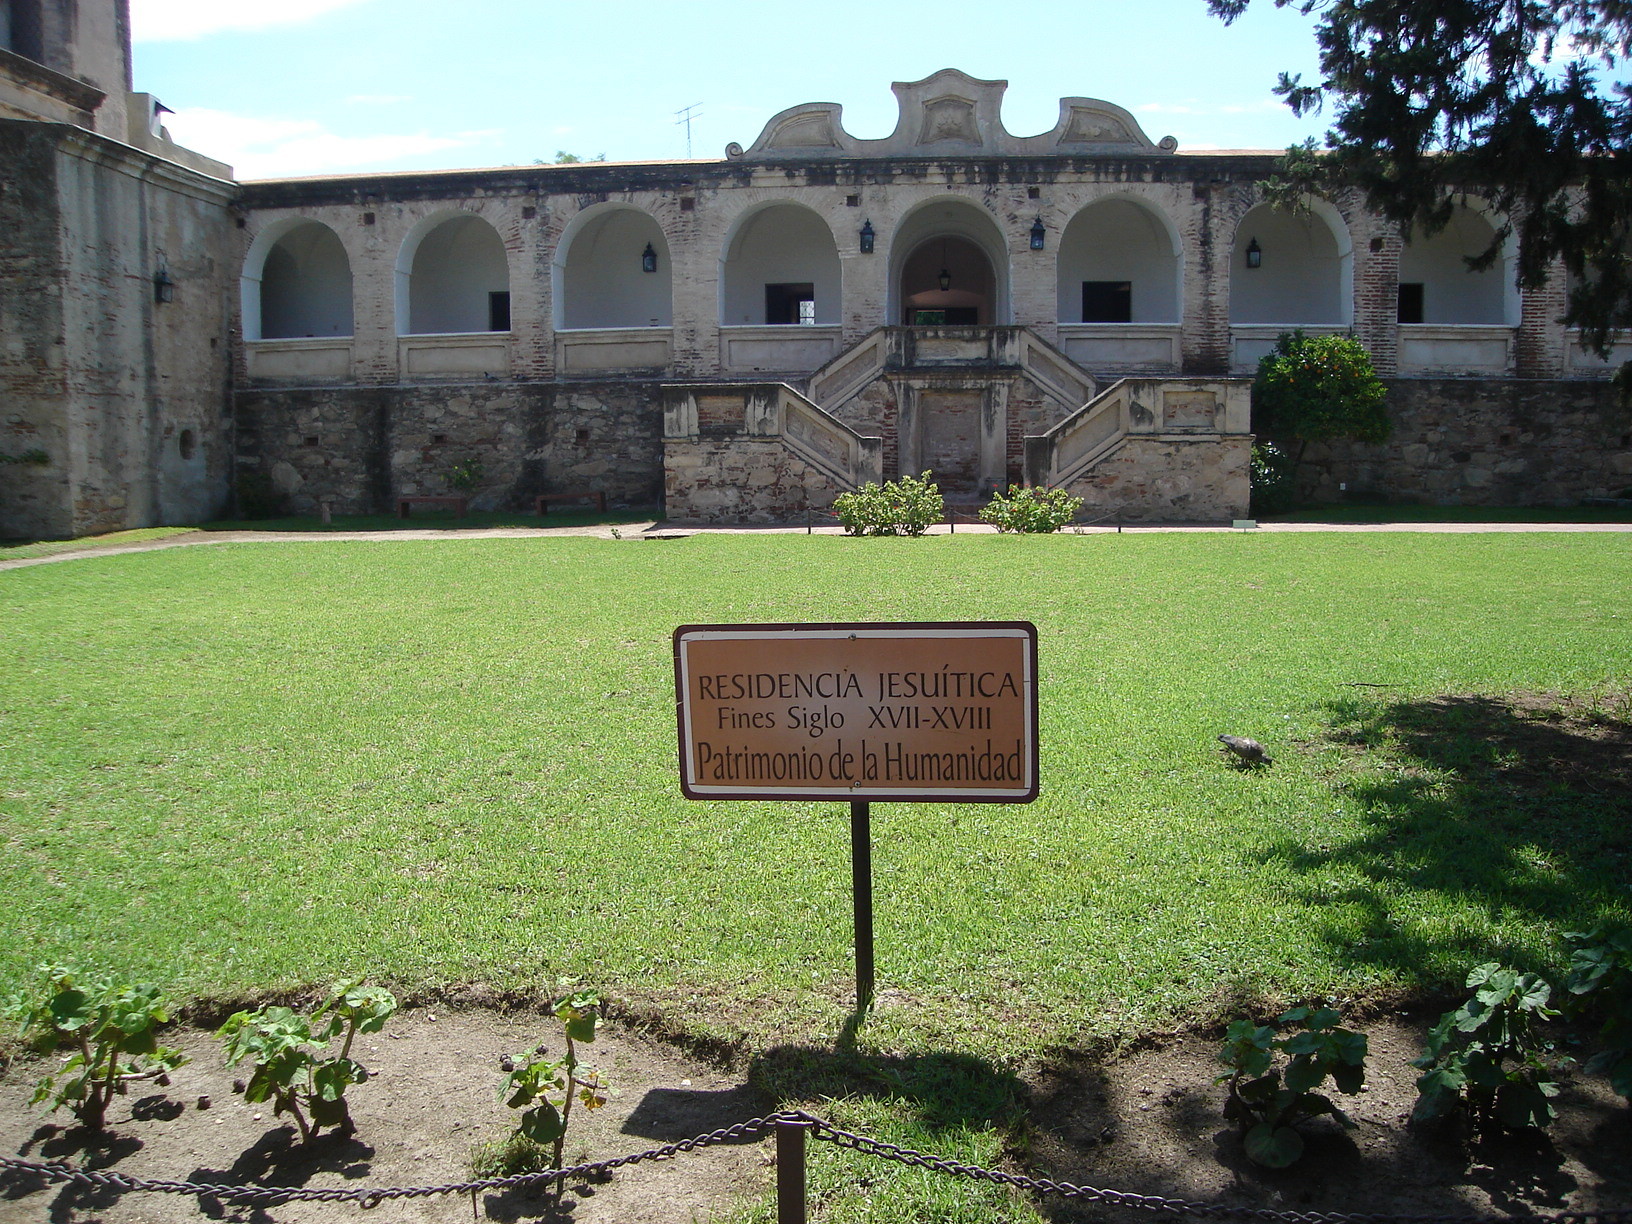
290,1052
534,1078
33,456
258,497
1312,388
1027,508
899,508
464,477
1484,1055
113,1031
1269,1101
1601,966
1271,473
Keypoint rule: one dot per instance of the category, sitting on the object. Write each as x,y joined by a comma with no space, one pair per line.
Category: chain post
790,1172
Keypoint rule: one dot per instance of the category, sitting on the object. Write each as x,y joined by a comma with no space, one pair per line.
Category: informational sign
869,711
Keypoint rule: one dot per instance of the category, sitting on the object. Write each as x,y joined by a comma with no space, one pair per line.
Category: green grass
248,768
51,548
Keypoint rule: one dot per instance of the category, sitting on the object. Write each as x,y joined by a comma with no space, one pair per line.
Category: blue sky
303,87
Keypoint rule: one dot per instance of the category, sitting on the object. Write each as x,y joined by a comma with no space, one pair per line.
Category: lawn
248,768
245,769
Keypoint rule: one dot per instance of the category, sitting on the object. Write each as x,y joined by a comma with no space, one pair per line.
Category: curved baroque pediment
951,114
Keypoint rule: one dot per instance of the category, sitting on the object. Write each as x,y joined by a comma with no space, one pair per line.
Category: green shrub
112,1030
292,1065
900,508
1272,491
258,497
1311,388
465,477
1601,966
537,1083
1268,1101
1485,1057
1031,509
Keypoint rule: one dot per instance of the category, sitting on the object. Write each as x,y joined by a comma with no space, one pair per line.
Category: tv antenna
686,116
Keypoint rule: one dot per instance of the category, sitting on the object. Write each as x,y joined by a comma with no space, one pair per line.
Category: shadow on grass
1513,809
942,1089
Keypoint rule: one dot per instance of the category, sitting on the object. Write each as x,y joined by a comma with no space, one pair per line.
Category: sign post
937,711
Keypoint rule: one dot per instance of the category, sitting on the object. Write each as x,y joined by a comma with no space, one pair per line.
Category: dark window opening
498,311
947,316
1107,301
1410,310
24,33
186,444
790,304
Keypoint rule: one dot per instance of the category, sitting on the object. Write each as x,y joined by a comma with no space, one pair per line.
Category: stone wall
358,449
732,478
1159,480
1480,442
125,393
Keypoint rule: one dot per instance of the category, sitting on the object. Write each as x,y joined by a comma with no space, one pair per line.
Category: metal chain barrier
267,1196
1151,1202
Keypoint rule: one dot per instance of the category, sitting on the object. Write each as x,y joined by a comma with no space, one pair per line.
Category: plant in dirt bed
290,1054
112,1031
1269,1101
900,508
1030,509
544,1090
1485,1056
1601,979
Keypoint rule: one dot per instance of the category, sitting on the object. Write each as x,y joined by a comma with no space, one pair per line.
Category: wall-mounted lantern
1038,234
1255,254
867,237
164,289
648,259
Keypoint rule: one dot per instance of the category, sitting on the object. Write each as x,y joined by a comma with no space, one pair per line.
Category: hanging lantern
1255,254
867,237
648,259
1038,234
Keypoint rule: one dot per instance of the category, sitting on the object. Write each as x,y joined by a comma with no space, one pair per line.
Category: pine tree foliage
1515,102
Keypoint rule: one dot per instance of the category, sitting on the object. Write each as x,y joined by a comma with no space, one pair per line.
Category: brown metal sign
937,710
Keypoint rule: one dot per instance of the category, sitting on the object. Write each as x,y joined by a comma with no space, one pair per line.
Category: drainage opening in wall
187,444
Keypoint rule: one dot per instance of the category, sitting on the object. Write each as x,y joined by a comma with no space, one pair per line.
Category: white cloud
181,20
378,99
294,148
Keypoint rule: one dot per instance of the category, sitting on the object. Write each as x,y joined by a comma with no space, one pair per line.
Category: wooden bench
541,503
457,504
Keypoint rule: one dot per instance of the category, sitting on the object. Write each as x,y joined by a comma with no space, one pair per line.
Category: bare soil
1149,1121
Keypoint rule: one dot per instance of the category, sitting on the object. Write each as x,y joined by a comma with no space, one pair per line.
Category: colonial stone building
736,339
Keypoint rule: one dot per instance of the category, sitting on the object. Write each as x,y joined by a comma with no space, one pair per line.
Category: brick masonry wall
361,448
1479,442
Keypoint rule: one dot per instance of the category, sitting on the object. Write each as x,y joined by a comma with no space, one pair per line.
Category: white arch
778,242
296,281
1122,238
1451,293
950,217
447,268
599,276
1306,273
